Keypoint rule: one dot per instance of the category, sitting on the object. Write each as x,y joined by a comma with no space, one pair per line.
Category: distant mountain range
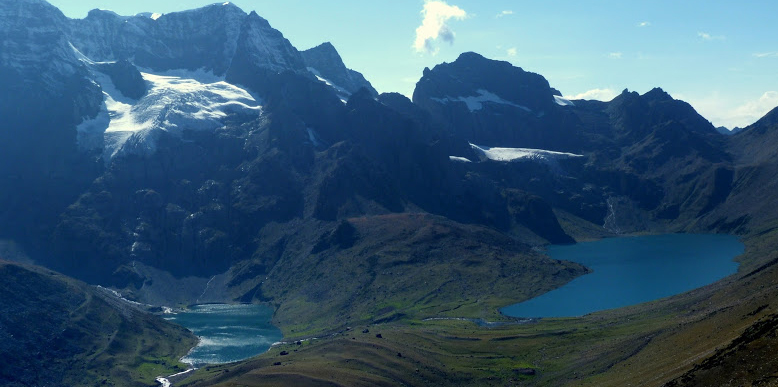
202,144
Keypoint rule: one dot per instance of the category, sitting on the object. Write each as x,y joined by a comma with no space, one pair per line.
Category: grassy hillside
697,338
393,267
721,334
58,331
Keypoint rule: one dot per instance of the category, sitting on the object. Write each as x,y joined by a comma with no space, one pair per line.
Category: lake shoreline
676,263
226,332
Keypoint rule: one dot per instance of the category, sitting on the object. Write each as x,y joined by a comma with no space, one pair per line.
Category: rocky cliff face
206,39
45,92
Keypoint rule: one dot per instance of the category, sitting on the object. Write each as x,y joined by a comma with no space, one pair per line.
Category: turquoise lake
227,333
632,270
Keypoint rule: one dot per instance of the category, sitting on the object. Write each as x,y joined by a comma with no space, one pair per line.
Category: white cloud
718,108
433,26
512,51
595,94
504,13
707,36
766,54
644,24
615,55
752,111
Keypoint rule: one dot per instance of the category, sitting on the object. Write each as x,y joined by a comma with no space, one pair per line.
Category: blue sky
719,56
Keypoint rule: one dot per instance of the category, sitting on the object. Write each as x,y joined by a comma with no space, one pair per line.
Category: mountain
325,62
207,38
727,131
58,331
206,152
154,154
46,92
751,205
504,106
68,77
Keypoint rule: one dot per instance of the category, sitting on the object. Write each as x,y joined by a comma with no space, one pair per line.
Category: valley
220,164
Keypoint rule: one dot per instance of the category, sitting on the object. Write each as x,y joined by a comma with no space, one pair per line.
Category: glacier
459,159
475,103
563,101
512,154
176,100
340,91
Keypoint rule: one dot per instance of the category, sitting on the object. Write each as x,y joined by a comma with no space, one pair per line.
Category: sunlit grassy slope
708,336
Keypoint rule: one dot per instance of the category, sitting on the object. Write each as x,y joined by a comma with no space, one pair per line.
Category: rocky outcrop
125,76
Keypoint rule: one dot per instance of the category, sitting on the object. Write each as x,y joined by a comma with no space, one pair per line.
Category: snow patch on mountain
476,102
342,93
176,101
512,154
314,138
459,159
563,101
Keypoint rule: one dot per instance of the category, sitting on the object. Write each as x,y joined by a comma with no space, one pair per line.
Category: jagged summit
150,14
43,3
204,38
226,4
472,72
657,94
325,62
97,12
36,51
471,92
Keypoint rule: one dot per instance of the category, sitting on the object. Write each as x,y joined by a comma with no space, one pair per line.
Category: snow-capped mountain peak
191,61
206,37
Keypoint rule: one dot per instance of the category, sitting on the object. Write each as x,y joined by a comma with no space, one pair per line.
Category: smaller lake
632,270
227,333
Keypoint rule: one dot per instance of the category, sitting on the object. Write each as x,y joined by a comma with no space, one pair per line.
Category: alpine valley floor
716,335
199,157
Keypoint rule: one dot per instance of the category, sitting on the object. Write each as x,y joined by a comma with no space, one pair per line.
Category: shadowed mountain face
482,143
325,60
58,331
202,143
493,103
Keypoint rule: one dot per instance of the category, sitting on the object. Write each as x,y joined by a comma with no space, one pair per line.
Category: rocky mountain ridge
314,190
329,161
55,80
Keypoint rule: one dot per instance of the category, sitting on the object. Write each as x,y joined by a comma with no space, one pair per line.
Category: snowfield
175,101
563,101
459,159
341,92
512,154
476,102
